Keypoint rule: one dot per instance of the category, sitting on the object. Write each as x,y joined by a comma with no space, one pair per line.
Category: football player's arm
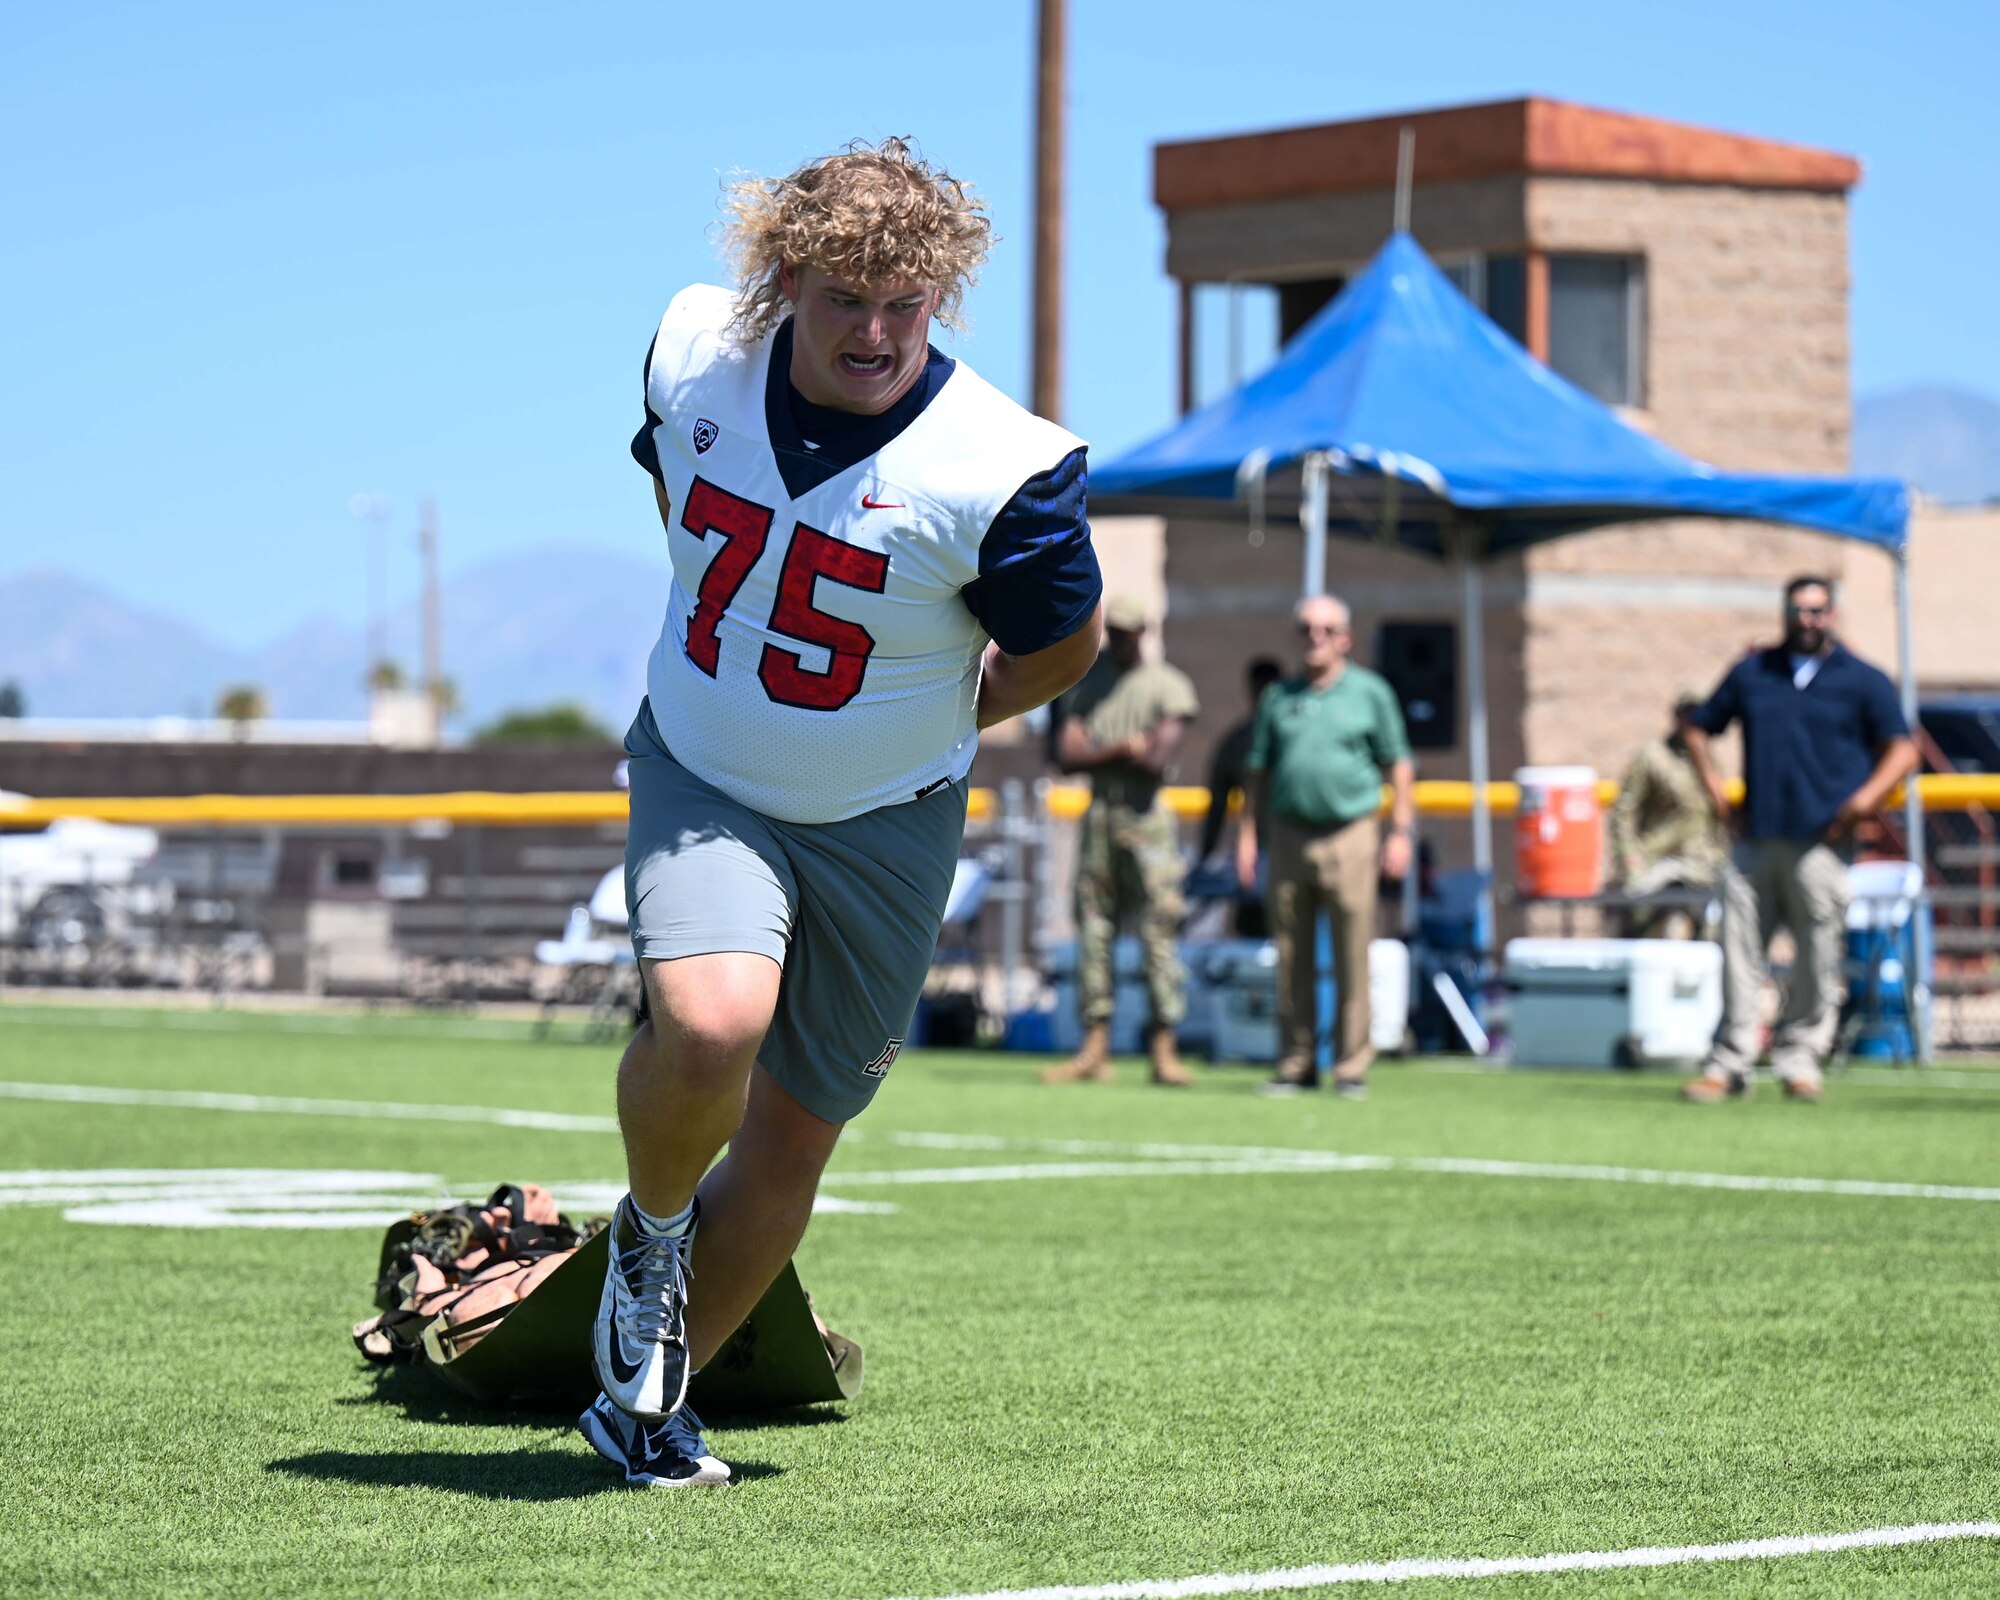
1039,596
1010,685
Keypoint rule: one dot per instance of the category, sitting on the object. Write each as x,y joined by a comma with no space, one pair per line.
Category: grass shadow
785,1417
423,1398
529,1474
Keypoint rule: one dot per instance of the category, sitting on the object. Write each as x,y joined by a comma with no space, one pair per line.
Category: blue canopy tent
1442,435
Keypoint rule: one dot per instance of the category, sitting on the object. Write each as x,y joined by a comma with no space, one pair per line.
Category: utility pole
427,543
1049,94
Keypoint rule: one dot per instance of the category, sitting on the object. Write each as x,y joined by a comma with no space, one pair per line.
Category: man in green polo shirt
1322,743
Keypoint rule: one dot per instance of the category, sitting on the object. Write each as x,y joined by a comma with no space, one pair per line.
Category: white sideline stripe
1318,1577
1140,1160
1326,1161
1028,1172
1873,1077
293,1106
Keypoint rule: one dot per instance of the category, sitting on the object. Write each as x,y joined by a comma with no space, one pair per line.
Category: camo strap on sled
464,1268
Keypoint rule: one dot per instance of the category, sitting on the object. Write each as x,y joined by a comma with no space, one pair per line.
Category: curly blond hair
869,215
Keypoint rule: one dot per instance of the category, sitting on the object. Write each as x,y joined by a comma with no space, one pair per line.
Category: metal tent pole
1913,804
1465,548
1312,521
1906,671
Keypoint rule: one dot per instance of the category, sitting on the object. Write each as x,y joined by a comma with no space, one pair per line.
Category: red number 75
745,528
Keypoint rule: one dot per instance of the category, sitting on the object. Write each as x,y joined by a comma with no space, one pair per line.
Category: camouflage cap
1126,613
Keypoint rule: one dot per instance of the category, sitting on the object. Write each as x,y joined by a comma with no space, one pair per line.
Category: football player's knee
718,1033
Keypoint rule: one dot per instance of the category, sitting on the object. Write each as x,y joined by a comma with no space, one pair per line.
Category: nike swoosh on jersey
868,503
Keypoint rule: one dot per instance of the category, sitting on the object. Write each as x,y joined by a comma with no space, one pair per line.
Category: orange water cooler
1558,833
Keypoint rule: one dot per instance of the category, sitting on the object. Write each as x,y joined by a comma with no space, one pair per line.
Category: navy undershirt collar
839,438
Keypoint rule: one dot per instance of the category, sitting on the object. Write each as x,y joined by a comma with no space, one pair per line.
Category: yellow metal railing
1940,792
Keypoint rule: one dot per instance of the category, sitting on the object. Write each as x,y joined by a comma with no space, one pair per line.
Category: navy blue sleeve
1883,708
1723,707
1038,580
644,451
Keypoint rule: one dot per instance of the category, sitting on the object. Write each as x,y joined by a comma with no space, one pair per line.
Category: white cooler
1613,1002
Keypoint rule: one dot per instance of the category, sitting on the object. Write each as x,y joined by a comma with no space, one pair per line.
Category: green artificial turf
1071,1380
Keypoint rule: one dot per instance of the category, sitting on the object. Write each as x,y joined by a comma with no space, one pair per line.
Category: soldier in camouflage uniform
1122,725
1664,831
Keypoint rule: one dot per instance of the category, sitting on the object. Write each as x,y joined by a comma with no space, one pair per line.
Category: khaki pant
1129,863
1771,884
1335,870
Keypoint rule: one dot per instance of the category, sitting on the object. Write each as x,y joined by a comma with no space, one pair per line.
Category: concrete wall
1301,237
1954,599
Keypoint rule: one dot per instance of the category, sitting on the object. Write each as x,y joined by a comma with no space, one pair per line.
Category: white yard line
267,1197
296,1106
1179,1159
1114,1160
343,1023
1327,1576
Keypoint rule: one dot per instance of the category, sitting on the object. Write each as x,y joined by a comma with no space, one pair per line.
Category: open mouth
867,366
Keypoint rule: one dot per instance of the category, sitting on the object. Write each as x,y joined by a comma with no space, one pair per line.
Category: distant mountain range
576,623
524,631
1944,441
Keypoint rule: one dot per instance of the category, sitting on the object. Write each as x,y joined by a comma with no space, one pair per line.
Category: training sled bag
498,1300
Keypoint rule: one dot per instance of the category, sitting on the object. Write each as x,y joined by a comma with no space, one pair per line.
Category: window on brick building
1498,285
1597,325
1597,315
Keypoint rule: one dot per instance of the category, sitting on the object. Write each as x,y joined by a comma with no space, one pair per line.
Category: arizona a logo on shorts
704,435
879,1067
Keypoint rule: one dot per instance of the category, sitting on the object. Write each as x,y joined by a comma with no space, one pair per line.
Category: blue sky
260,258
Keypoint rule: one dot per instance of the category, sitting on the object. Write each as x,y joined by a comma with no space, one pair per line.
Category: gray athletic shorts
850,910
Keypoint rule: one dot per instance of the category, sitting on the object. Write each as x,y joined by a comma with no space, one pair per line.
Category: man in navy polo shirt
1824,743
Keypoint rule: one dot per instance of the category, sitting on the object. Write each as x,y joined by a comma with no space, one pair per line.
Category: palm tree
445,698
242,705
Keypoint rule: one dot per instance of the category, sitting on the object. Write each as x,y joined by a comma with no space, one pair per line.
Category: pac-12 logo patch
879,1067
704,435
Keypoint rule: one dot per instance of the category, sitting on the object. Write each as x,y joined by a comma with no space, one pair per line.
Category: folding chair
595,968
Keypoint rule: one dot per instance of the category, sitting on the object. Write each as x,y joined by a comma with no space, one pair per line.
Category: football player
875,554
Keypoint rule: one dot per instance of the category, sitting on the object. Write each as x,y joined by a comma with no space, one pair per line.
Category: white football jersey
817,660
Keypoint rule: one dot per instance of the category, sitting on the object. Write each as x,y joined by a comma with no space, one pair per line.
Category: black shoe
664,1455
